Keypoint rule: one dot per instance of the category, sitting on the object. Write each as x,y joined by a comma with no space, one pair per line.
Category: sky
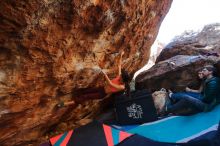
188,15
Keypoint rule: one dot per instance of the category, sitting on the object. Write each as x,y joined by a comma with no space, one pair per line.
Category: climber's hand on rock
104,73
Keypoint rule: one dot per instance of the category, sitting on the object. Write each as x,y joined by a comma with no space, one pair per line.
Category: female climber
118,84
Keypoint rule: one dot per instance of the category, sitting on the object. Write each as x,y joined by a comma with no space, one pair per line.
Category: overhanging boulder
49,48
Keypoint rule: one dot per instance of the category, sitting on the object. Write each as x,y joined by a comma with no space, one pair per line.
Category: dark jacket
211,91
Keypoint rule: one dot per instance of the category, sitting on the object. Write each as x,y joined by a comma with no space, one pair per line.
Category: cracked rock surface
50,48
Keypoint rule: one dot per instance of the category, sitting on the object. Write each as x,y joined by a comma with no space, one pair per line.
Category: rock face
204,43
49,48
177,65
175,73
